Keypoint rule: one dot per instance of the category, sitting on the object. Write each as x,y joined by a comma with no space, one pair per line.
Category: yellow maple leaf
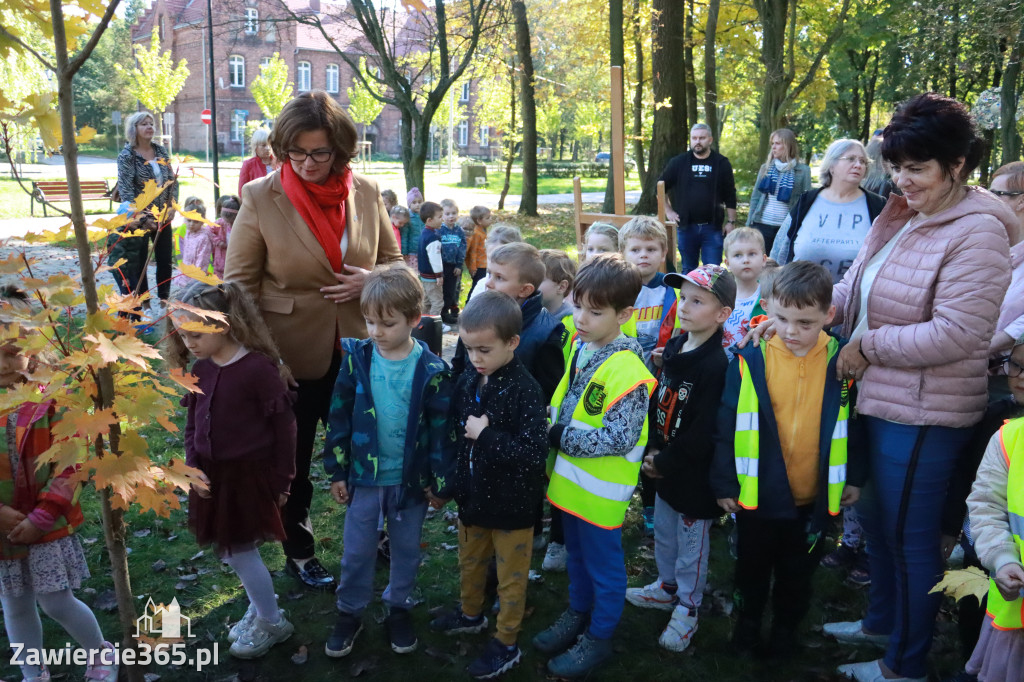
201,328
184,379
121,473
122,347
199,274
158,500
198,312
85,134
179,475
150,191
967,582
415,5
85,425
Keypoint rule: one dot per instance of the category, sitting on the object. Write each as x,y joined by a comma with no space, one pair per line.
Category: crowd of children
568,384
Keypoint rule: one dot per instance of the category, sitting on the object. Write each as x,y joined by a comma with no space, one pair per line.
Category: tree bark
618,58
710,75
638,95
510,142
691,75
1008,137
528,200
670,133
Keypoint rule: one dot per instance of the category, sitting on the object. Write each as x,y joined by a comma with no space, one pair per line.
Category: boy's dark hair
392,289
493,310
525,258
478,212
558,266
608,280
428,210
803,284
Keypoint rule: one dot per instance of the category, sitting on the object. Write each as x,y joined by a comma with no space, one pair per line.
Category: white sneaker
103,670
239,628
651,596
680,630
852,632
555,558
871,671
263,634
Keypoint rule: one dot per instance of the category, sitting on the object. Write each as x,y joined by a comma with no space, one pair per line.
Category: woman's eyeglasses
1006,192
1011,368
299,156
854,159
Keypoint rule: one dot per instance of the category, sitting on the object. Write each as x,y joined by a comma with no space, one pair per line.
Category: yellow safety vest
598,489
1009,615
569,340
747,441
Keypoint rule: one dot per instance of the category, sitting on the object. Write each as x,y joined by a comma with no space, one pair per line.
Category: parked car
603,157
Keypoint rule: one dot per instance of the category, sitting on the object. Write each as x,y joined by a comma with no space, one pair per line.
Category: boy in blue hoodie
453,254
387,458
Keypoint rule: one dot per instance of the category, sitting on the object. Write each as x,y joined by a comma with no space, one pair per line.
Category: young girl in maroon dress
240,432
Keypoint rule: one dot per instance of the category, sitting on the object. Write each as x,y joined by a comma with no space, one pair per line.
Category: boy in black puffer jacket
499,419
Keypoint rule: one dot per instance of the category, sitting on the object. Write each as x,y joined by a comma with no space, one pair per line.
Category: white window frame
464,133
236,71
485,136
264,61
333,77
238,119
252,21
304,76
465,92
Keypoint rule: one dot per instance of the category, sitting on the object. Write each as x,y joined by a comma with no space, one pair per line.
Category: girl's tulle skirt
999,655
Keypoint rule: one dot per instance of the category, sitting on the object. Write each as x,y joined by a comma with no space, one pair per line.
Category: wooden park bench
48,191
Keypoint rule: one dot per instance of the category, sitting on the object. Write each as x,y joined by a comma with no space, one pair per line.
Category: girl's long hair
244,322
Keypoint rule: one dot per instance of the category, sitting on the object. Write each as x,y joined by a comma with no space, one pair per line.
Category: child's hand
851,494
656,356
648,467
433,500
474,425
728,504
339,491
457,272
282,499
203,492
9,518
1010,580
25,533
440,281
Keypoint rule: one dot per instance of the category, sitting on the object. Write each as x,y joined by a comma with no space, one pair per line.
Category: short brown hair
449,203
392,289
478,212
428,210
643,227
315,111
803,284
558,267
608,280
493,310
525,258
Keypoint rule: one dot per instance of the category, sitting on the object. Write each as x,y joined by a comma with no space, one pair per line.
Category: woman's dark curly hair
932,126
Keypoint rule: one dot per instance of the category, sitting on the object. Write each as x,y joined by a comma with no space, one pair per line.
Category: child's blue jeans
597,574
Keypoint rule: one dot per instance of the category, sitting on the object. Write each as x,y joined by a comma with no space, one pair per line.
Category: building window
465,92
305,77
264,62
236,69
464,134
238,118
485,136
332,78
252,20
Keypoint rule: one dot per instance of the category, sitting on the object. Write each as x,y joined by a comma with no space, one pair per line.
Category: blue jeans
597,573
369,508
699,240
900,511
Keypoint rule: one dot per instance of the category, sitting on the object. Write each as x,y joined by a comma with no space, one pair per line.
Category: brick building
247,32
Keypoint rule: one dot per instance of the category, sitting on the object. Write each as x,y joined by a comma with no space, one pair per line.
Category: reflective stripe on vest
598,489
747,443
1009,615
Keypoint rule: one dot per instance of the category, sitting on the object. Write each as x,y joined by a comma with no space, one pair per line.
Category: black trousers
163,255
768,232
450,286
312,406
778,548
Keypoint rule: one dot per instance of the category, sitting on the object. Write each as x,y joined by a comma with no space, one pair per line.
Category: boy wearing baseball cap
783,438
681,447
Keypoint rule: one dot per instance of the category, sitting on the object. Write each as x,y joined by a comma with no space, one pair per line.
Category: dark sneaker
841,557
343,636
746,636
455,622
562,634
860,574
586,655
311,575
400,632
495,660
782,643
962,676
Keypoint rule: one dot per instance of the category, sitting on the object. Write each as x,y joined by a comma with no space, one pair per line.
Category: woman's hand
765,330
851,363
25,533
9,518
350,287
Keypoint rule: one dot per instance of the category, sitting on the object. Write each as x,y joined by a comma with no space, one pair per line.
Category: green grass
496,181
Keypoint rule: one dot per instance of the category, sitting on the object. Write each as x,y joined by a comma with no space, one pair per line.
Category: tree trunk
511,143
670,133
618,58
414,148
869,98
691,75
638,96
113,524
1008,137
528,200
710,75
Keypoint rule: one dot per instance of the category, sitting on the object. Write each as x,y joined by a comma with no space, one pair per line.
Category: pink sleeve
967,293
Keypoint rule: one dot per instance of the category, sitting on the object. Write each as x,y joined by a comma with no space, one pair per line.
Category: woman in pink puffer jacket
919,306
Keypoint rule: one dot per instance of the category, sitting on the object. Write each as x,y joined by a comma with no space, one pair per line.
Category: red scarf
322,207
